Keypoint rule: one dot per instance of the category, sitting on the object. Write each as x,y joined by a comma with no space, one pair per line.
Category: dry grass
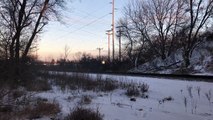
80,81
80,113
132,90
17,105
135,89
38,85
39,110
86,100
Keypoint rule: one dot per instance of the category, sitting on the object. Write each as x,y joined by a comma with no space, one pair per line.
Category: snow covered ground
116,105
201,62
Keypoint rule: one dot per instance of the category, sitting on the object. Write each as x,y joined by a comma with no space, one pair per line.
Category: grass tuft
80,113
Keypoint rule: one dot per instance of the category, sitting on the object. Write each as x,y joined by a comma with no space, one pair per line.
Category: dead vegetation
80,113
78,81
18,104
40,110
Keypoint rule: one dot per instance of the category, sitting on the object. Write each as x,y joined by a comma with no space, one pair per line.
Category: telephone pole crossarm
99,50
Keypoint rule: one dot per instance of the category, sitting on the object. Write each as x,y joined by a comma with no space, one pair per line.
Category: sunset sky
86,22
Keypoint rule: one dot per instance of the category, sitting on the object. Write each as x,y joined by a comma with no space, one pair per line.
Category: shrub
40,109
132,90
165,99
86,100
168,99
80,113
108,85
189,88
80,81
209,96
38,85
144,87
5,116
18,93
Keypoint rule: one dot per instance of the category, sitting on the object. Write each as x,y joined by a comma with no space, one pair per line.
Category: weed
132,90
18,93
38,85
86,100
144,87
189,88
209,96
185,103
40,109
168,98
80,113
81,81
108,85
198,90
194,106
165,99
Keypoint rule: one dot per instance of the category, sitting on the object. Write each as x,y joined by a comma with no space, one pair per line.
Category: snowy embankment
189,100
201,62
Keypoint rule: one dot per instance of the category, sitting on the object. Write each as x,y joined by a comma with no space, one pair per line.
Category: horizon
82,24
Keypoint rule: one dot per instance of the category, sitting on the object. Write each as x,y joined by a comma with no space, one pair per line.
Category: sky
83,29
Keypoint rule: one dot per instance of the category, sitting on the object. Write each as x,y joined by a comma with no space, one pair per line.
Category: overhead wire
88,15
90,23
85,25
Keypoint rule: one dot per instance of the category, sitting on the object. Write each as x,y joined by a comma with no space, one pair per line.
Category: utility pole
119,36
109,34
99,50
113,30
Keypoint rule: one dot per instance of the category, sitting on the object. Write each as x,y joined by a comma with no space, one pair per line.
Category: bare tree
165,18
66,52
127,35
154,23
23,21
26,19
4,44
198,13
165,25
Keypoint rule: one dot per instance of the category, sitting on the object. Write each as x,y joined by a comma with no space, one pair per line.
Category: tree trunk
186,58
35,30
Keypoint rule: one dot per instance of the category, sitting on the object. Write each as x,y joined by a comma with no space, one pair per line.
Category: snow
201,62
116,105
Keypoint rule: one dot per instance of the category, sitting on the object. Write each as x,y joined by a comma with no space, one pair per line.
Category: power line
89,23
82,18
91,33
88,14
85,25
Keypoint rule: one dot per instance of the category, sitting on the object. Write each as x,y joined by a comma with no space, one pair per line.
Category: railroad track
206,78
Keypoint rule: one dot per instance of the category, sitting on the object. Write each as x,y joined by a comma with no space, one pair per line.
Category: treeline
21,23
85,63
157,28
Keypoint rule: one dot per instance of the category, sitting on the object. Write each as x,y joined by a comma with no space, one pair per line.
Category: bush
80,81
132,90
38,85
108,85
165,99
80,113
41,109
86,100
144,87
